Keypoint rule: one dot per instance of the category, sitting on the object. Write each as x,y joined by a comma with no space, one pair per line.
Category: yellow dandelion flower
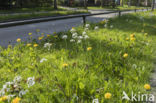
146,34
28,44
9,46
89,48
18,40
4,98
40,38
16,100
125,55
132,39
48,35
65,65
103,22
147,86
37,30
29,33
108,95
55,36
127,38
132,35
42,34
35,45
142,30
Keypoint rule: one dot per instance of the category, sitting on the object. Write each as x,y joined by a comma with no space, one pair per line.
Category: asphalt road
10,34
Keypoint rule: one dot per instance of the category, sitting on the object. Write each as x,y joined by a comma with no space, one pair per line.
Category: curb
44,19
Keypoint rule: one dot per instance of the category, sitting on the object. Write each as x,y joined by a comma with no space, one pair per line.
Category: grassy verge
5,18
125,7
30,10
33,14
82,65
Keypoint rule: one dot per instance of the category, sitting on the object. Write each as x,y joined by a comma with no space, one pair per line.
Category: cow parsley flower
47,45
64,37
86,29
42,60
96,27
111,26
2,92
95,101
79,41
22,92
72,40
30,81
74,35
134,66
80,37
87,25
17,79
86,36
84,33
73,30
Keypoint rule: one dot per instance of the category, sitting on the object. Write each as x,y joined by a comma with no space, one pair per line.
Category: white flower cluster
106,23
95,101
42,60
96,28
87,26
47,45
78,38
14,87
141,18
64,37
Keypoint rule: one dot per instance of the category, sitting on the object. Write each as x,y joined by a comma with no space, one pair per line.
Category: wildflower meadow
94,63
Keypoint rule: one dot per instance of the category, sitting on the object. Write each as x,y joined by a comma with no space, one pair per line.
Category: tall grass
95,63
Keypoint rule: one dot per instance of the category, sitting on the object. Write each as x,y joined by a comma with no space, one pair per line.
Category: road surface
10,34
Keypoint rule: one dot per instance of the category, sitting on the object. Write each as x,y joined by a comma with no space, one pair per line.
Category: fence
22,22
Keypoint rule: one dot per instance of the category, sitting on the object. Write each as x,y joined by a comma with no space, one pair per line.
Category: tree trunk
129,3
113,4
55,4
122,3
146,2
153,4
85,4
138,4
102,3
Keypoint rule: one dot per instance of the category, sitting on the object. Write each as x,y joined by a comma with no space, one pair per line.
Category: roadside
47,27
28,14
125,7
33,13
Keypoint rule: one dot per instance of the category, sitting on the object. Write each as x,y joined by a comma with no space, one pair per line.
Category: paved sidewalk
153,82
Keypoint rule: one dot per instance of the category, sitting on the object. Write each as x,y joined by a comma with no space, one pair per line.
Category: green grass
125,7
11,17
69,73
30,10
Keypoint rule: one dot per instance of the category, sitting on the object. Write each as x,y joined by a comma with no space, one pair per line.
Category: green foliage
78,72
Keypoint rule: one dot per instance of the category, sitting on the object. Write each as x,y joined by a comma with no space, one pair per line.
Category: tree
153,4
113,3
129,3
138,3
85,4
122,3
102,3
55,4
